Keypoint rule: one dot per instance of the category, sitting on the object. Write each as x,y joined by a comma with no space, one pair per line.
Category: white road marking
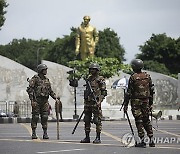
61,151
166,132
30,132
176,148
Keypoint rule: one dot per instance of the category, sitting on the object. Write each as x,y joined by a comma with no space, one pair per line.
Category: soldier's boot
86,139
45,135
97,139
142,144
151,142
34,134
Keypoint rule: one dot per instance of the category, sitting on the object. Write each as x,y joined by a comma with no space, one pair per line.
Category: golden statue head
87,18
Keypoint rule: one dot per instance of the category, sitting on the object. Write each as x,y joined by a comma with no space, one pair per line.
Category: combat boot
34,134
151,143
97,140
86,139
45,135
142,144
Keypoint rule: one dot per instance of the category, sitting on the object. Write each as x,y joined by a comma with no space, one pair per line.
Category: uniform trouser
140,111
40,109
96,112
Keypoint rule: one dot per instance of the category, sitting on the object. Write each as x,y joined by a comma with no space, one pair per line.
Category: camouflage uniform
39,90
140,92
91,108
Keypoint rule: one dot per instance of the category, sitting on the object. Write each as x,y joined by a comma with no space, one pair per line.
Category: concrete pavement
16,139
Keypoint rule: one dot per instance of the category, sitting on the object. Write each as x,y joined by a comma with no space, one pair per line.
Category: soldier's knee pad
96,120
35,117
44,117
139,121
87,118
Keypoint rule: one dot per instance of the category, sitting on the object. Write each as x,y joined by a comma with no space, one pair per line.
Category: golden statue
86,39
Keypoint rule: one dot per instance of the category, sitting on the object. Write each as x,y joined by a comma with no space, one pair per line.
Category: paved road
16,139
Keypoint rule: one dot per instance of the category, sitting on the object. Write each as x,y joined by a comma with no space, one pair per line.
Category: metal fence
8,108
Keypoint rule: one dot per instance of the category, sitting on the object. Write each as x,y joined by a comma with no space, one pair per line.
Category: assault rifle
77,122
125,112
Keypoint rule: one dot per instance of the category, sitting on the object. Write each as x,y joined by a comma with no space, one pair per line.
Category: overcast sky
133,20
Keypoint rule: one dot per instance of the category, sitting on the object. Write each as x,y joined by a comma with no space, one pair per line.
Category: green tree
109,67
155,67
63,49
3,5
163,51
109,45
24,51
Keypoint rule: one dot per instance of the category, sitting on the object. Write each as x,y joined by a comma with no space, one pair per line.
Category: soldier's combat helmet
137,64
41,67
94,66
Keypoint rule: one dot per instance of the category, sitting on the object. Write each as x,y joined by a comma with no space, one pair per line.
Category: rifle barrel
77,122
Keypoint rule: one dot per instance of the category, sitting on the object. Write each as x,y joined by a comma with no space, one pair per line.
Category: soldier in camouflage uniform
91,107
39,90
140,91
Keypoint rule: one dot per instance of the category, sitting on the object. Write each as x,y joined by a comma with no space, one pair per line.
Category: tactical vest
96,86
42,87
141,85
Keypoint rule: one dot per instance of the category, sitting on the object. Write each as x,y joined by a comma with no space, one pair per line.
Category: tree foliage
109,45
24,51
63,49
108,67
3,5
155,67
161,53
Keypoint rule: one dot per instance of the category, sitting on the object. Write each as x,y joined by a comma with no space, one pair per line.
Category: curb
5,120
23,120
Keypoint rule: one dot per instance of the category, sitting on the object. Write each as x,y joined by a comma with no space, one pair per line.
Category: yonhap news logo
129,140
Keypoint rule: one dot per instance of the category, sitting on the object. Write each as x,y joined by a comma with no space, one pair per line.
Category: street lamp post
37,54
73,82
75,116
